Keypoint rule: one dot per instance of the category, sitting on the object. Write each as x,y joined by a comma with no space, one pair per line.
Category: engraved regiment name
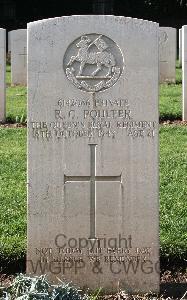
100,118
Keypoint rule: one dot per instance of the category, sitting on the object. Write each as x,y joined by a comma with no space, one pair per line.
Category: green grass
16,104
12,192
173,191
178,74
170,101
16,101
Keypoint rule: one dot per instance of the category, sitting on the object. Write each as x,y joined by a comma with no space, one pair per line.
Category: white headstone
180,47
167,50
184,72
18,57
93,152
2,74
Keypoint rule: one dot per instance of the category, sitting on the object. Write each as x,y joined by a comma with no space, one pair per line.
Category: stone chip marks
93,151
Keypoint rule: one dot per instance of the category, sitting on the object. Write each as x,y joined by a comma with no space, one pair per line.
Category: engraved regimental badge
93,62
163,37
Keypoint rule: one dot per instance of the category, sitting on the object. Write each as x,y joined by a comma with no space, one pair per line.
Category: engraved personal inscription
106,255
93,63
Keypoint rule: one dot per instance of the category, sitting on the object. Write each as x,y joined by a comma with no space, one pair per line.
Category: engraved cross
93,178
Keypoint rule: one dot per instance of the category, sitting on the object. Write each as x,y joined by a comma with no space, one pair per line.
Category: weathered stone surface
18,49
167,50
93,151
184,72
2,74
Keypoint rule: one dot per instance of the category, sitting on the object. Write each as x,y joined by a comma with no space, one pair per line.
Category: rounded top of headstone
18,30
120,19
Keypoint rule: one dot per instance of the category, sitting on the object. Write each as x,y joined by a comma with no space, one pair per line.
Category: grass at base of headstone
16,105
170,104
178,73
170,100
173,192
12,193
